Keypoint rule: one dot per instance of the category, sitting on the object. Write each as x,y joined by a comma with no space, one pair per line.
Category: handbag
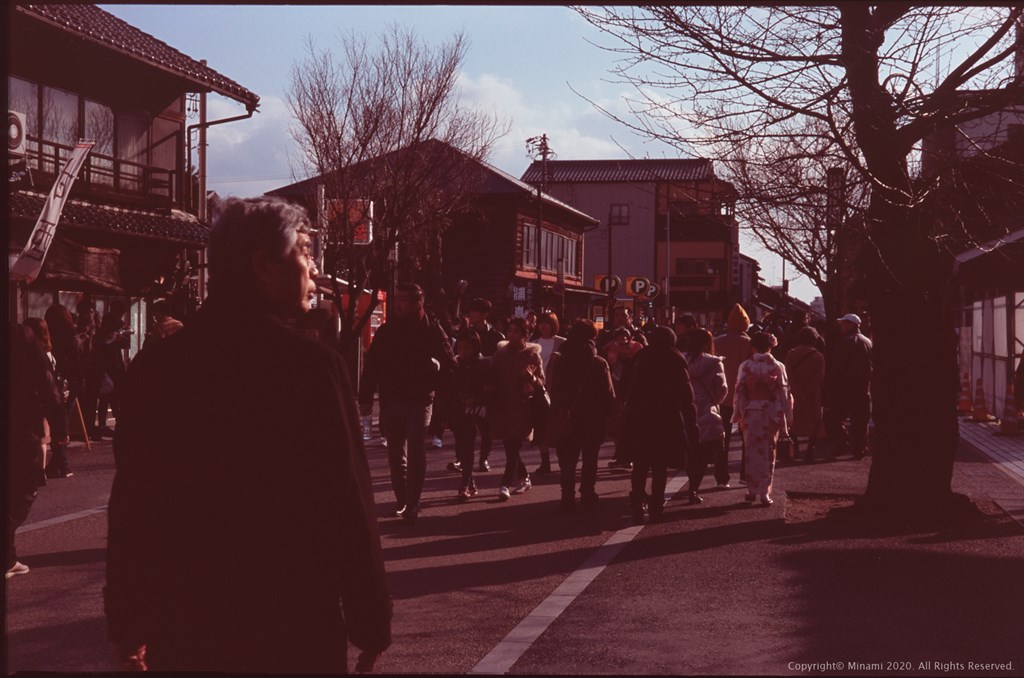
540,408
784,449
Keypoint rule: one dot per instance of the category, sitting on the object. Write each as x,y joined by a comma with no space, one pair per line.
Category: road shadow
881,605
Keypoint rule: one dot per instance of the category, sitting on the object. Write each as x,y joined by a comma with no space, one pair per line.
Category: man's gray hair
244,226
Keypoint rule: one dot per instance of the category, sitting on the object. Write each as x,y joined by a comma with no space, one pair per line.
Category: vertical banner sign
30,261
359,218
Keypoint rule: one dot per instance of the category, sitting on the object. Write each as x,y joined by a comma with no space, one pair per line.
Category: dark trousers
699,458
25,468
405,424
465,429
514,465
659,478
569,454
484,427
849,438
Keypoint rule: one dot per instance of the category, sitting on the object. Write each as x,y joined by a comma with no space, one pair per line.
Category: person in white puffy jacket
707,377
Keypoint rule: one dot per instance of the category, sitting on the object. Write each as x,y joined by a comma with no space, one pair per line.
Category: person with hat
848,388
733,347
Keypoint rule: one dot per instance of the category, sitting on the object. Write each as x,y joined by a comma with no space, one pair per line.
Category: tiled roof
494,181
177,227
91,22
518,186
612,171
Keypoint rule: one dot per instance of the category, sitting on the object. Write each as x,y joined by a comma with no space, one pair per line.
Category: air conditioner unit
16,133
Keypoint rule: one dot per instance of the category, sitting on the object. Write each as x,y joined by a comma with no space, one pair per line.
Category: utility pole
534,146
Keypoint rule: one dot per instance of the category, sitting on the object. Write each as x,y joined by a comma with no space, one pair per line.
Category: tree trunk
915,375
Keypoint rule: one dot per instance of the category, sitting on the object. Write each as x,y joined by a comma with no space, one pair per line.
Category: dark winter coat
408,359
848,370
33,388
581,383
242,507
472,380
661,418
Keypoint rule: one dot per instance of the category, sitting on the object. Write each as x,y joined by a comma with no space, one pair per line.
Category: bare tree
782,182
725,78
385,126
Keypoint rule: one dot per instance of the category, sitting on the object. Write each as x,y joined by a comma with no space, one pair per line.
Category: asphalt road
489,587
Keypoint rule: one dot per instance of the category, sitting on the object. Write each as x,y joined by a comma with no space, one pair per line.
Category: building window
60,125
99,127
529,246
547,250
691,266
618,215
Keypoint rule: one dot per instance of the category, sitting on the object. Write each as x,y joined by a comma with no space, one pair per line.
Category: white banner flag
30,261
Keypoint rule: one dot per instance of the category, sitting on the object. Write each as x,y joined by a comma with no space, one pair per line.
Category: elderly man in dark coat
243,534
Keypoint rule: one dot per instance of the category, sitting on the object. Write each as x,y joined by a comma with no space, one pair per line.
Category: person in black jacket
237,544
466,397
661,420
32,399
582,394
848,388
408,359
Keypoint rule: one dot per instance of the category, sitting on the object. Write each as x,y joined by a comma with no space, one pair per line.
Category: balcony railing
105,176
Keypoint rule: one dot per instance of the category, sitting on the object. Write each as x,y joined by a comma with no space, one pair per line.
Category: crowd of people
240,436
669,397
69,369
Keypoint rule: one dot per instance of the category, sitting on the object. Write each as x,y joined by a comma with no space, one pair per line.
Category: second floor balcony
105,179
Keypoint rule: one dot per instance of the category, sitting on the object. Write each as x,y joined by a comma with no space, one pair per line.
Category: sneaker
409,515
485,466
400,511
523,487
766,500
16,569
724,486
472,490
455,466
464,494
437,442
504,494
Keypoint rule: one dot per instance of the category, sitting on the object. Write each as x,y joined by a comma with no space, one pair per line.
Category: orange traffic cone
980,413
1010,422
965,406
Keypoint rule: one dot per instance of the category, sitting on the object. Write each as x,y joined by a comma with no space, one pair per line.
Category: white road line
61,519
521,638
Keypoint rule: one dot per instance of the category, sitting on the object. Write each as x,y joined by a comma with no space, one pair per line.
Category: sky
523,62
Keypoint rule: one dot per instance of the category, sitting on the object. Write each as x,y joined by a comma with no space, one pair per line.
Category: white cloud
249,157
575,129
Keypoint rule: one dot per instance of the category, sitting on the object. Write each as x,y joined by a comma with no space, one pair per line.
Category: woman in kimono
763,408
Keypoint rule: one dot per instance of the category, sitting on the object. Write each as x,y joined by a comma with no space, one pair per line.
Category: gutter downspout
201,205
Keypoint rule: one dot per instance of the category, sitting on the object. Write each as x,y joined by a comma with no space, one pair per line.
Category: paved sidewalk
1006,453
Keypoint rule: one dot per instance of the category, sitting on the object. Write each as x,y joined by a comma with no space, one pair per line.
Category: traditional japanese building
133,225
